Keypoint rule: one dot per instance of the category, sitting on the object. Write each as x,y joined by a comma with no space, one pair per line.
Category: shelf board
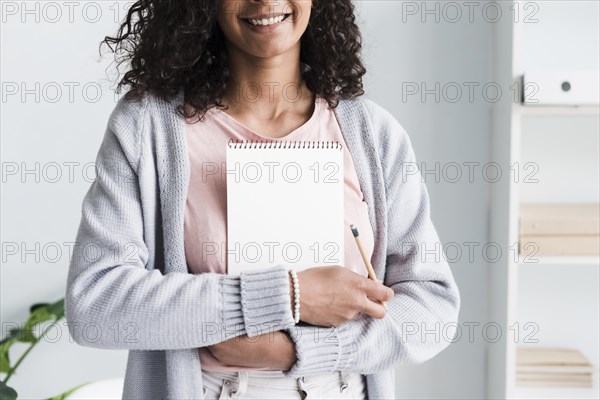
531,109
558,392
558,260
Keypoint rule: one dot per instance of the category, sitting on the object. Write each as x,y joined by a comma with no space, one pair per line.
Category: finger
377,291
375,310
384,303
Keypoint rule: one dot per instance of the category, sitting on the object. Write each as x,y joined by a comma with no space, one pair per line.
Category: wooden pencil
370,269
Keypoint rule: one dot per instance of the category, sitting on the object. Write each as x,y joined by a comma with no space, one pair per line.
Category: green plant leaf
57,309
4,358
20,335
35,306
42,312
13,333
26,336
6,392
38,316
68,392
39,312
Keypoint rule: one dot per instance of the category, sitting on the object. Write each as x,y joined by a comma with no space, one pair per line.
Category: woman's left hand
273,350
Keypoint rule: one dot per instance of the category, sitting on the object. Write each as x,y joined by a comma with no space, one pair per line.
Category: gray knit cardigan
128,285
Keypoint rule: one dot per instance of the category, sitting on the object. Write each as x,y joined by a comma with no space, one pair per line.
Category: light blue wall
402,54
39,211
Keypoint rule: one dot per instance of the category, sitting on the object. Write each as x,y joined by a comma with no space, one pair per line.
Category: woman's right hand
332,295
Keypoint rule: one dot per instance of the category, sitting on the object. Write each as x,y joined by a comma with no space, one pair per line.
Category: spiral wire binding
290,144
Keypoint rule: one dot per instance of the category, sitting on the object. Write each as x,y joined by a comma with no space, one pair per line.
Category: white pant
275,385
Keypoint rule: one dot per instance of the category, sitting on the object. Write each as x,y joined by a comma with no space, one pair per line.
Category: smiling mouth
266,21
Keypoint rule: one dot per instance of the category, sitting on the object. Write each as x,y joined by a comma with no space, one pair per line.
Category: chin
270,52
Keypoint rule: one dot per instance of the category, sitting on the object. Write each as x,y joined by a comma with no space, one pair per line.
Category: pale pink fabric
206,206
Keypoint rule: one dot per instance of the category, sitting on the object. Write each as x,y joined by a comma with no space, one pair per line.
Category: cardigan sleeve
421,318
115,299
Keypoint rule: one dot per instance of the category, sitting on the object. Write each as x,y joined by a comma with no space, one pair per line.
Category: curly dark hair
155,38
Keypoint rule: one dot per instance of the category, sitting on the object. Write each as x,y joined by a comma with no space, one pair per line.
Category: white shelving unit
559,295
554,110
560,260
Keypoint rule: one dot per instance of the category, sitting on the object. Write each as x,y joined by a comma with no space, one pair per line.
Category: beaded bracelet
296,295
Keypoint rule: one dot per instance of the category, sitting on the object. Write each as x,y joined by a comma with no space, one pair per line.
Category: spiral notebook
285,205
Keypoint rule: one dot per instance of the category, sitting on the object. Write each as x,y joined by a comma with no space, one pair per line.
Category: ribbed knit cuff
265,298
320,349
232,316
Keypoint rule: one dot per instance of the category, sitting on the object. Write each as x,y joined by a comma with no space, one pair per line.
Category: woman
203,72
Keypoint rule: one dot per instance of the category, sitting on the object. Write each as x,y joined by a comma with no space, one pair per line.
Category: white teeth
267,21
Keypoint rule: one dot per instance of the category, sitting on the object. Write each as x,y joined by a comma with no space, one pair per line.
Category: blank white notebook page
285,205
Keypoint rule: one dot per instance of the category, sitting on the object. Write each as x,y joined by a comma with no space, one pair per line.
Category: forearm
273,350
129,307
418,325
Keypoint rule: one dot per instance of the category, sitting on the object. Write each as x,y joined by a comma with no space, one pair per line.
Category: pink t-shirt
206,206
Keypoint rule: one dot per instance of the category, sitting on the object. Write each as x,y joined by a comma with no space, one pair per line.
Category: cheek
226,18
302,11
